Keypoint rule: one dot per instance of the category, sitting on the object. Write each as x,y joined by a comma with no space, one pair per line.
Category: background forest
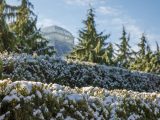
19,34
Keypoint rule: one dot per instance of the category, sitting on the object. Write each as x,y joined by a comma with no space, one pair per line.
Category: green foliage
73,73
7,38
37,102
109,55
30,38
22,100
1,68
142,46
124,54
145,59
92,45
93,48
18,31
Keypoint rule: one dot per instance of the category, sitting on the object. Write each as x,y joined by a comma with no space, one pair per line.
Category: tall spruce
123,52
142,46
29,36
148,52
7,38
146,60
25,27
157,59
140,56
92,45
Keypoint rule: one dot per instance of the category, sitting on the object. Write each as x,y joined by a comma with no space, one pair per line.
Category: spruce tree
142,46
29,36
7,38
148,52
157,48
153,60
156,69
91,46
25,26
123,52
140,61
146,60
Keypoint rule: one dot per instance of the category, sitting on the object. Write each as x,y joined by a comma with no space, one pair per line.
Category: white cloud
115,18
111,18
107,11
118,19
45,22
133,29
153,38
78,2
84,2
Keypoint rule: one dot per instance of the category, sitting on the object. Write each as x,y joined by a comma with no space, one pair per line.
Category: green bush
24,100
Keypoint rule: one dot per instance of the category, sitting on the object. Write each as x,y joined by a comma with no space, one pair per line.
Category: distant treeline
19,34
93,47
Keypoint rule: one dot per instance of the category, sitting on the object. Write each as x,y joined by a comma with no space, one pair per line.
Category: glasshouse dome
61,39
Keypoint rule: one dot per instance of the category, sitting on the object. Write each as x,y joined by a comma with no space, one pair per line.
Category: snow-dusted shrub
26,100
73,73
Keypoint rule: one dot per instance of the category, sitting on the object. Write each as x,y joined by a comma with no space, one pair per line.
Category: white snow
38,94
75,97
94,101
133,117
38,113
10,98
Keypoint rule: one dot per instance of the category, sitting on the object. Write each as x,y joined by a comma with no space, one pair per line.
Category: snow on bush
26,100
73,73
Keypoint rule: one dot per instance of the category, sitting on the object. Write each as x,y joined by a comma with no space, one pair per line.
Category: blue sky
137,15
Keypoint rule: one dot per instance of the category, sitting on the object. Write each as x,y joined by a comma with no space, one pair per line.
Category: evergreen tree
140,59
29,36
146,60
91,46
25,26
7,38
157,48
142,46
148,53
155,61
109,55
124,54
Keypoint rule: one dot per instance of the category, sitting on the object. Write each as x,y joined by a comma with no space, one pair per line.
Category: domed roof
60,38
56,29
